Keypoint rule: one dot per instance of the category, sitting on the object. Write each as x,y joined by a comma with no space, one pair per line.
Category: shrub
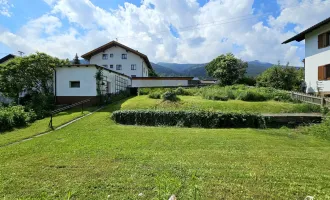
250,95
154,95
319,130
170,96
15,116
201,119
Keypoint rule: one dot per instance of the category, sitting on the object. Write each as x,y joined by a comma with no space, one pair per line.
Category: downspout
55,86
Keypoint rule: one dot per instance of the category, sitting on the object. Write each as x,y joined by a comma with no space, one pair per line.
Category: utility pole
21,53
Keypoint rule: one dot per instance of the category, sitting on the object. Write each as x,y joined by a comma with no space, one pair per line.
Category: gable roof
301,36
6,58
102,48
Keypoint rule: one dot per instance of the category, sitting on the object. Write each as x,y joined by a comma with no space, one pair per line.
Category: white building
75,83
120,58
122,68
317,57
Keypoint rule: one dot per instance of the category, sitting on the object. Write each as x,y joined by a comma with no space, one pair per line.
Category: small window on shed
74,84
104,56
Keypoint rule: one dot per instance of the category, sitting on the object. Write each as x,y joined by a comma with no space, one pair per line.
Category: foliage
33,73
319,130
250,95
279,77
201,119
170,96
152,73
198,103
247,80
227,69
15,116
123,94
33,76
76,60
155,95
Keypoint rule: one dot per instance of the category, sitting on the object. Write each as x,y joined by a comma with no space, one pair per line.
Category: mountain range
198,70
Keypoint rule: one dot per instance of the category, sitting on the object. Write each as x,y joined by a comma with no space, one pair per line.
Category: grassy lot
197,102
94,158
41,126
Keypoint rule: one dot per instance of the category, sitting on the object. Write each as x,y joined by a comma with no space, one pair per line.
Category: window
324,72
104,56
118,67
133,67
111,66
133,75
105,66
74,84
123,56
111,55
324,40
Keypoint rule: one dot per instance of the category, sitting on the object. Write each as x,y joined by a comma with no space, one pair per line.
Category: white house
122,66
317,57
74,83
120,58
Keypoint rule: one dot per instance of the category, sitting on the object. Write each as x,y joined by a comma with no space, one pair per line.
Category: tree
76,60
281,77
227,69
152,73
32,75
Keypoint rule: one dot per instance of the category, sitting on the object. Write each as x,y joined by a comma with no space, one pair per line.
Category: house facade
120,58
317,57
74,83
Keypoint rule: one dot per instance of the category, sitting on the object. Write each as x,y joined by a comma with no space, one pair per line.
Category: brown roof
162,78
97,66
301,36
102,48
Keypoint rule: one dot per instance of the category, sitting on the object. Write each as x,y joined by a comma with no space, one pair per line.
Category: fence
66,108
312,99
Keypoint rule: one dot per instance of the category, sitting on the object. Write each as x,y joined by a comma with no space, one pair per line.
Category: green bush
15,116
170,96
250,95
202,119
154,95
319,130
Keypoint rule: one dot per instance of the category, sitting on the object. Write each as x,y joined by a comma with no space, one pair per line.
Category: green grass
94,158
198,103
41,126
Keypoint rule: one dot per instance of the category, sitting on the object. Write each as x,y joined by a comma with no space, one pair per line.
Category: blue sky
186,31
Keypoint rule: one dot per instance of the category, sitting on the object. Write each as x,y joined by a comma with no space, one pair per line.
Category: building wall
141,67
86,75
159,83
314,58
83,74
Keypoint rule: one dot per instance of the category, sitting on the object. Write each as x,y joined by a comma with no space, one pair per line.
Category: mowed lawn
198,103
41,126
97,159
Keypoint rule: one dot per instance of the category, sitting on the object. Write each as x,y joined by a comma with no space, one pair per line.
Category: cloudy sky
182,31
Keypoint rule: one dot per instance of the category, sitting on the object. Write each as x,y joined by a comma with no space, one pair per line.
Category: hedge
202,119
15,116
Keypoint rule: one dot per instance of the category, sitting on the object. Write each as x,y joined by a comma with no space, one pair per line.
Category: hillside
198,70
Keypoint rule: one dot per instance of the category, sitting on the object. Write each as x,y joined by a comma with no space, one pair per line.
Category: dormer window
123,56
104,56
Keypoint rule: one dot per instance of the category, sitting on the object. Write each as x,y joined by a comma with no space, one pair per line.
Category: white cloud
220,26
5,8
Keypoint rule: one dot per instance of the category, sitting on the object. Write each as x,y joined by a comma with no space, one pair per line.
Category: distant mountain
198,70
164,71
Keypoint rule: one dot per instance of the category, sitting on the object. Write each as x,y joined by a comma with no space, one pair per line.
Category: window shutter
321,74
320,41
